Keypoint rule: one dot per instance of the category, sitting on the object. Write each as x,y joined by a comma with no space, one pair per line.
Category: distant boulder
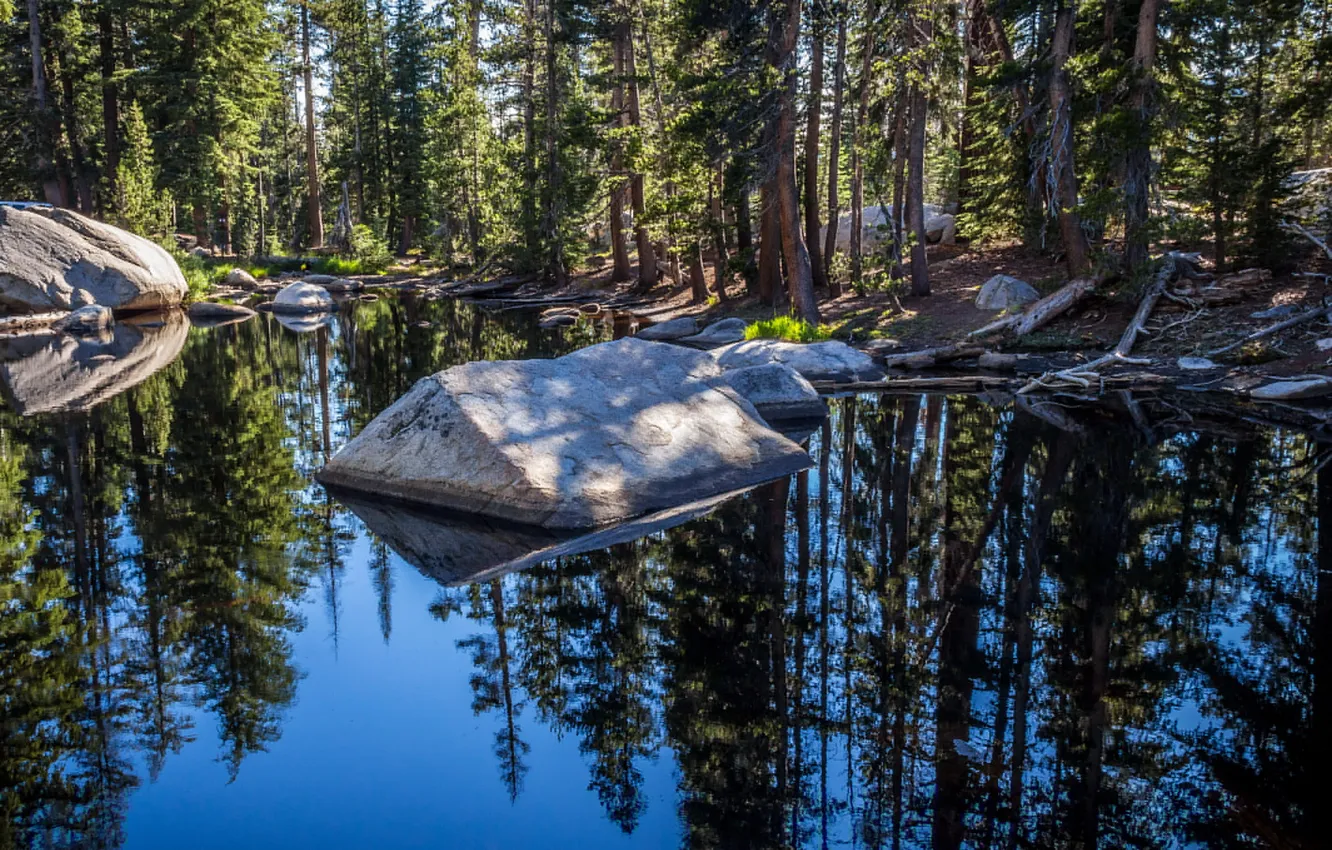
669,330
1003,292
941,228
57,259
240,279
820,361
718,333
303,297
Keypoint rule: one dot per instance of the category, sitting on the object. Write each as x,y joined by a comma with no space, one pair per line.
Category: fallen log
1145,307
1299,319
1044,311
927,357
1295,227
945,383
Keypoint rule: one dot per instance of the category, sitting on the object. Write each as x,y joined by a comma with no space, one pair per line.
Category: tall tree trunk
718,212
744,238
923,29
799,273
1061,143
1138,167
45,137
77,147
529,199
857,166
106,46
834,158
313,208
647,255
972,52
555,269
698,280
812,122
619,247
899,148
770,246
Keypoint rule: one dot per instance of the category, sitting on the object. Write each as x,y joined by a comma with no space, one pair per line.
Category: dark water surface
963,627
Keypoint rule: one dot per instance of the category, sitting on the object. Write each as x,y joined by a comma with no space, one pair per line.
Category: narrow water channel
963,627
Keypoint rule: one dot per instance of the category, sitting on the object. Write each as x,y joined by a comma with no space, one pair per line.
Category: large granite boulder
819,361
1005,292
58,373
55,259
610,432
303,297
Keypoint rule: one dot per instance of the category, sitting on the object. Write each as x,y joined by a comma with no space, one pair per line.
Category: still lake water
962,627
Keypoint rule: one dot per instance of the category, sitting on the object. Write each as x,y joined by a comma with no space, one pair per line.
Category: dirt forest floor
906,323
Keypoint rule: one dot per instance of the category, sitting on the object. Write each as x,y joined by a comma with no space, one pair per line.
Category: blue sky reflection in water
963,627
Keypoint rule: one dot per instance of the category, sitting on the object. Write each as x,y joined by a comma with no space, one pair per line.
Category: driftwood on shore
1298,319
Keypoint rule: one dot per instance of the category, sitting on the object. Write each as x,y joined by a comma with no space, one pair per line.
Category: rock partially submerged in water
610,432
61,374
212,313
670,329
819,361
303,298
1313,386
57,259
86,320
716,334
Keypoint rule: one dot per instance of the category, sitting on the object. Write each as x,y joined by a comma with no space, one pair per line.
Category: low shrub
788,328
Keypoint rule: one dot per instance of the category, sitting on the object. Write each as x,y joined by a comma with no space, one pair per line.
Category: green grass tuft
788,328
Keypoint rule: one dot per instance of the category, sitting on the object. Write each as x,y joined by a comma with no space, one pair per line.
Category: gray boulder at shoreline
819,361
602,435
55,259
303,298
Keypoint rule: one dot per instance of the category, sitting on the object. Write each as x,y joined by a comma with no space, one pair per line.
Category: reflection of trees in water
963,627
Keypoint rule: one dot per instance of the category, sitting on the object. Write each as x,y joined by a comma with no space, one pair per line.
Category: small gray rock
213,310
819,361
1196,364
303,297
1281,312
1324,344
1003,292
558,320
342,284
1311,387
82,298
724,332
319,279
672,329
777,391
86,320
240,279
